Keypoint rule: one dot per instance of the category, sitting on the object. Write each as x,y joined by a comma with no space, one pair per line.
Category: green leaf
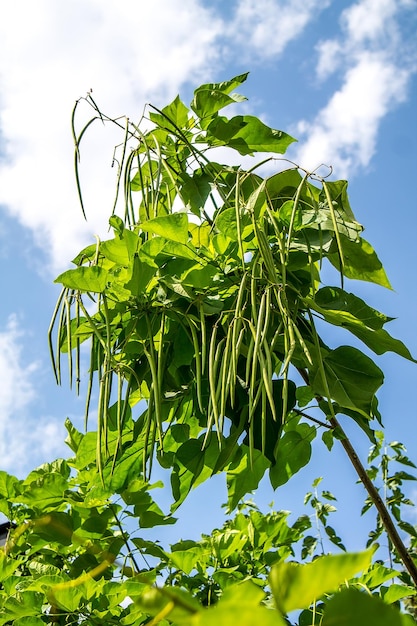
47,491
376,575
351,606
344,309
211,97
192,466
338,193
74,436
55,526
142,273
174,116
242,604
360,261
201,277
352,378
244,474
27,605
296,586
8,565
115,250
247,135
173,227
8,485
293,453
93,279
29,621
195,190
336,299
397,592
117,224
185,560
67,597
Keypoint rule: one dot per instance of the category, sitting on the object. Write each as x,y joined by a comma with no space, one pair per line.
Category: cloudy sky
340,76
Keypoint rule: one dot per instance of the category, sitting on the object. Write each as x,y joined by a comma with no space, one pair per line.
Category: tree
207,357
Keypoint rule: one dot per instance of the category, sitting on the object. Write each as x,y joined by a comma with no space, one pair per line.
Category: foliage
76,555
206,356
209,298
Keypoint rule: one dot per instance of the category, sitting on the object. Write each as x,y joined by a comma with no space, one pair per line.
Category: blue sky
340,76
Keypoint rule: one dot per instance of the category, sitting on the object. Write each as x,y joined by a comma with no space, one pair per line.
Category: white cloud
26,439
344,133
127,52
376,66
17,384
267,26
371,20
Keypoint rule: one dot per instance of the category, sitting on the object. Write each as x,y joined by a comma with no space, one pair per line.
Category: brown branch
380,506
378,502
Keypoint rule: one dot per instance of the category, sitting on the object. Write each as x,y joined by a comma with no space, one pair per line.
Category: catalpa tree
209,329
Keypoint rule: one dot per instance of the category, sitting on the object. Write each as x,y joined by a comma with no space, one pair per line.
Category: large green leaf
173,227
360,261
293,453
336,299
8,485
93,279
192,466
26,605
142,273
247,134
55,526
46,492
244,474
337,191
352,379
296,586
240,603
344,309
195,190
351,606
8,565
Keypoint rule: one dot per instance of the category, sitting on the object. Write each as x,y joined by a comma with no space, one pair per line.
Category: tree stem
378,502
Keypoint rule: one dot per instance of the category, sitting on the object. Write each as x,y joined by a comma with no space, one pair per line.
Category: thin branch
378,502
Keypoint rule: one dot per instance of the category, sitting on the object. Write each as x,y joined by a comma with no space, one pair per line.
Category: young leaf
210,98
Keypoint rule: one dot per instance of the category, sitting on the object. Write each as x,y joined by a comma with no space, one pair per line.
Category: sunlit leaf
173,227
247,134
344,309
211,97
296,586
360,261
92,279
351,606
